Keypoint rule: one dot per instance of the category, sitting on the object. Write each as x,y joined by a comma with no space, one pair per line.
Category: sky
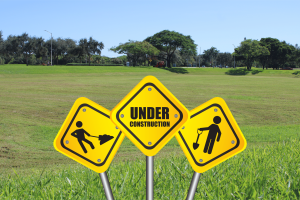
212,23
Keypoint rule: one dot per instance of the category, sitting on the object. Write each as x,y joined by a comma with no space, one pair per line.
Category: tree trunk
89,60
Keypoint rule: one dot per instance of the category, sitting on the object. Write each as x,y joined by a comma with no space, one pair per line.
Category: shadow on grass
176,70
296,73
239,71
242,71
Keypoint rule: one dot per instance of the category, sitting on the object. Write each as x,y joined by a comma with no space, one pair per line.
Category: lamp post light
51,46
234,56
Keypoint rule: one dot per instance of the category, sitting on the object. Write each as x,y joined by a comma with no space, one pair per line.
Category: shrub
239,71
92,64
255,71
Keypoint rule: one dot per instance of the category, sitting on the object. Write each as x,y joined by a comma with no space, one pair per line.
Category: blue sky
218,23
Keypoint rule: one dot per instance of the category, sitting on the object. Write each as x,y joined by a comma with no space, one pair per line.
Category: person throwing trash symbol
79,134
212,134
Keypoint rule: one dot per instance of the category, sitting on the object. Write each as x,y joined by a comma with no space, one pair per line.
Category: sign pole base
193,186
106,186
149,177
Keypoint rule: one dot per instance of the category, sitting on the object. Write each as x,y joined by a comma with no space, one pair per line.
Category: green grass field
35,100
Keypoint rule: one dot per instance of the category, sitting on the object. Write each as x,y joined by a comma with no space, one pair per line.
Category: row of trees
31,50
268,52
175,48
169,46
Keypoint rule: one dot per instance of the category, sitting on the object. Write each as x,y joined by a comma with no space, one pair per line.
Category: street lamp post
199,57
234,56
51,46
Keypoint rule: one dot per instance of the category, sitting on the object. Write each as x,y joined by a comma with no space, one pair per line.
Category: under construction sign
211,136
88,136
149,115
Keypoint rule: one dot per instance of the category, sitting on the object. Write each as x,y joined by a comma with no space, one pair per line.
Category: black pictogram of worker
212,134
79,134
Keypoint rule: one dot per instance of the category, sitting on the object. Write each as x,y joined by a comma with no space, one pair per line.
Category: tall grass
272,172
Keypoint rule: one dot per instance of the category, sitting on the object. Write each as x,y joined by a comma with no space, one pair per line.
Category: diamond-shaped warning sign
149,115
88,135
211,136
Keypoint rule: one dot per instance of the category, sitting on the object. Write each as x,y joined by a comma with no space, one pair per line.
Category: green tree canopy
224,59
89,47
136,50
250,50
168,41
211,55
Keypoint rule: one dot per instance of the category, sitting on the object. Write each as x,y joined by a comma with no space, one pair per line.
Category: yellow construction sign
149,115
88,136
211,136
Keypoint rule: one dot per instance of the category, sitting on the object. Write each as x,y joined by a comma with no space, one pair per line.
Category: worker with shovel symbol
212,134
79,134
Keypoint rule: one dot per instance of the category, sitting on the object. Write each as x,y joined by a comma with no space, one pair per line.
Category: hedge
92,64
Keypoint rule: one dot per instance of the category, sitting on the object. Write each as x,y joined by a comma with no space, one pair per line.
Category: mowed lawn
35,100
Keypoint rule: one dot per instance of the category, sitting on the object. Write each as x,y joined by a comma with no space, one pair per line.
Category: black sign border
153,146
237,139
62,139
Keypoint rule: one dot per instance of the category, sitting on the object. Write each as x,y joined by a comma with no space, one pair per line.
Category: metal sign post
193,186
106,186
90,123
149,177
217,135
149,115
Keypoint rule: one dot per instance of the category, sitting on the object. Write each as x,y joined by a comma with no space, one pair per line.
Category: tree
77,51
297,56
210,55
176,58
90,47
224,59
94,47
1,43
11,46
39,47
26,45
273,45
136,50
250,50
286,55
281,53
168,41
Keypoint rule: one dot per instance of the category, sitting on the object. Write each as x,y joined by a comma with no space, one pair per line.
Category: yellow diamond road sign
149,115
88,136
211,136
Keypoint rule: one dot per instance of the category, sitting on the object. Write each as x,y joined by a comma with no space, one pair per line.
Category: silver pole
193,186
106,186
149,177
200,57
234,61
234,56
